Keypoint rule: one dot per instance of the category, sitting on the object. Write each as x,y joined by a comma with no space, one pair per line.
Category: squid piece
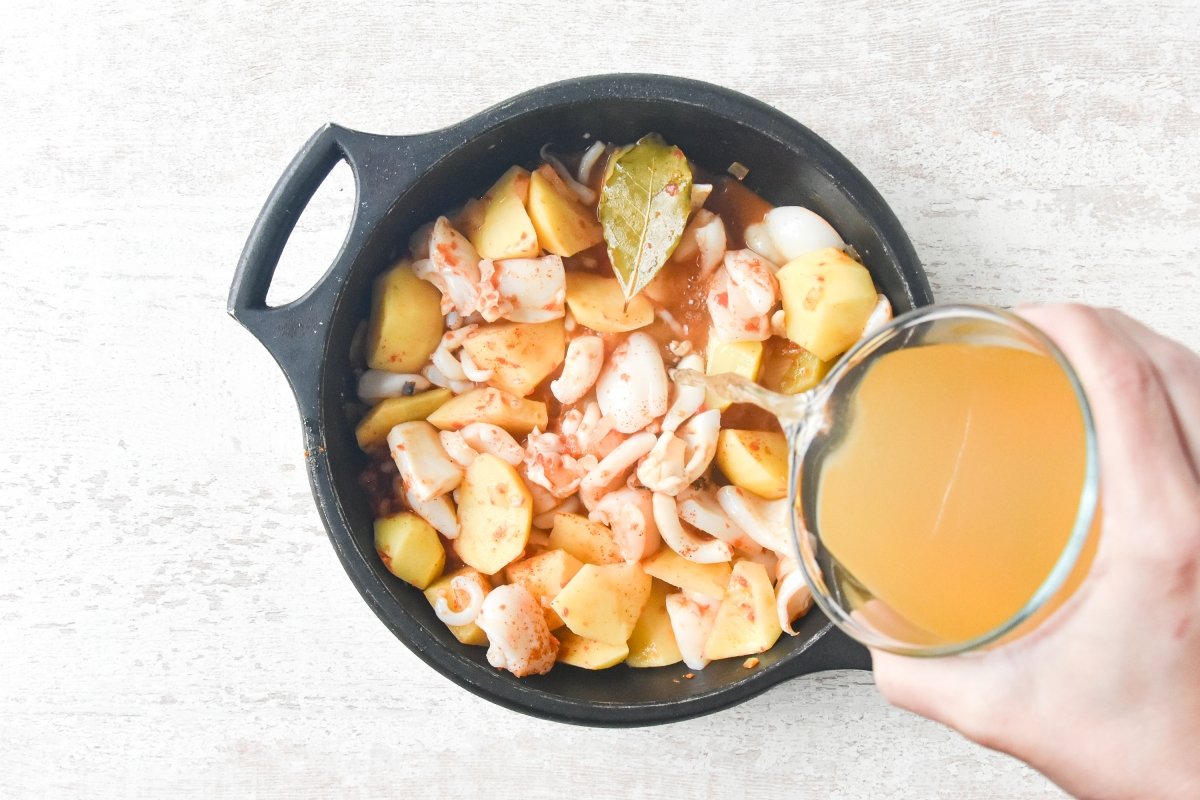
789,232
699,435
543,501
473,372
678,459
793,598
522,289
702,511
702,241
470,610
376,384
692,618
741,297
794,230
440,512
629,513
764,521
425,468
688,399
662,468
453,267
483,437
687,544
589,160
710,242
758,239
545,519
518,638
581,368
455,368
592,431
549,465
613,467
457,448
632,388
584,193
881,316
437,378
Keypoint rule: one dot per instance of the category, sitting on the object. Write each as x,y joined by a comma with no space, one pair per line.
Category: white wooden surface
172,619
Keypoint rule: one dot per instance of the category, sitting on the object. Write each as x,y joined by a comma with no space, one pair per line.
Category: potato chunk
584,653
405,325
599,303
706,579
516,415
590,542
564,225
652,643
495,511
755,461
519,354
410,548
544,575
790,369
499,226
827,299
740,358
388,413
604,602
746,620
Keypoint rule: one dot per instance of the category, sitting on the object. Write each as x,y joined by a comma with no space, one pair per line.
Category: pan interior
783,173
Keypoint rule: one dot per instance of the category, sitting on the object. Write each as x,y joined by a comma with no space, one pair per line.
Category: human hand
1104,697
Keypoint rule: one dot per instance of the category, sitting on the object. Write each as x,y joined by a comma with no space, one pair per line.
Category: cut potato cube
755,461
519,354
746,620
706,579
544,575
604,602
410,548
388,413
516,415
495,511
499,226
652,643
585,653
590,542
599,303
457,599
827,299
564,225
790,369
405,325
739,358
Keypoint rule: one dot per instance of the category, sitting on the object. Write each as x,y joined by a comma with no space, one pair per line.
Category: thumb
962,692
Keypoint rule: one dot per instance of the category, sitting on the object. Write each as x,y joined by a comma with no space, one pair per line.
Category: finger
1131,409
1179,372
963,692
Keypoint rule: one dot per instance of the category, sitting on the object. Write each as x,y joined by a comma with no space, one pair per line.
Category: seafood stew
531,465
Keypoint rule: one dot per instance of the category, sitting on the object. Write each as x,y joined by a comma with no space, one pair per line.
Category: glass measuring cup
903,608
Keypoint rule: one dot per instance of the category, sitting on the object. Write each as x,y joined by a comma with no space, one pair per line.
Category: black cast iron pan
403,181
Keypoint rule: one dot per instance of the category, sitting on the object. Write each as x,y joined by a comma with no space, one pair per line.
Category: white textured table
172,619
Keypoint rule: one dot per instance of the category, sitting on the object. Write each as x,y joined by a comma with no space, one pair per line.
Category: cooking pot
404,181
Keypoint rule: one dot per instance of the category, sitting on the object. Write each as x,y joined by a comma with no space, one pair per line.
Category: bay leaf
644,206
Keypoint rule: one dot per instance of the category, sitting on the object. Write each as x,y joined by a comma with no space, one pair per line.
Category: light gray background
172,619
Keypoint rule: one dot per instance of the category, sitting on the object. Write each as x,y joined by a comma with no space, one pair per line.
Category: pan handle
295,333
831,649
